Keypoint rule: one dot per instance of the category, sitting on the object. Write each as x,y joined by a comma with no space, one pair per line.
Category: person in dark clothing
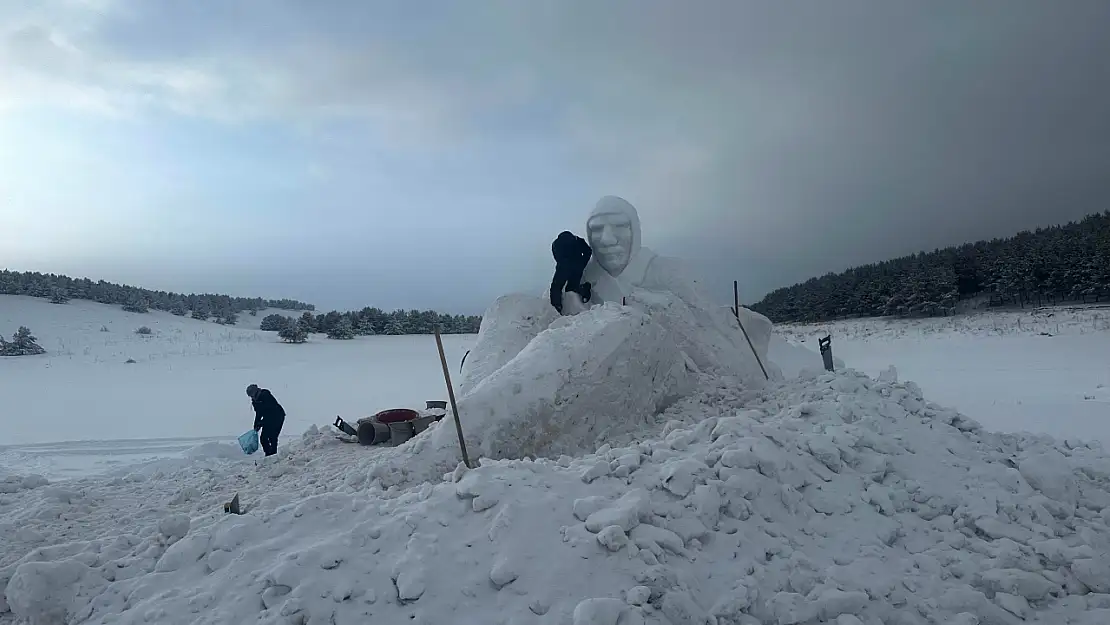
571,255
269,416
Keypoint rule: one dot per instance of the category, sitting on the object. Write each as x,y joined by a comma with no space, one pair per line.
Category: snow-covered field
189,376
1044,371
836,499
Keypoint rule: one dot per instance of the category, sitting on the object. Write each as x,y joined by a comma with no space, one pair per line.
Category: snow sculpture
622,270
537,383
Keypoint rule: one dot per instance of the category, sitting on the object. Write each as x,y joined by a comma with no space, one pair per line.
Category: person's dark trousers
567,279
268,437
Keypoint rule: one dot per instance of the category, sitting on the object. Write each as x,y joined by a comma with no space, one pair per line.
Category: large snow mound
584,379
607,368
830,499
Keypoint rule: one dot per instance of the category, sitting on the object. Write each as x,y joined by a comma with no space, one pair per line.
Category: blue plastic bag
249,442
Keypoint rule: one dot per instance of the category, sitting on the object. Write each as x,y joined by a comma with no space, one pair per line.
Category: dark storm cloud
768,142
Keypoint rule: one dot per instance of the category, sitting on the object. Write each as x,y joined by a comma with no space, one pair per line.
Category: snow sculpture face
613,231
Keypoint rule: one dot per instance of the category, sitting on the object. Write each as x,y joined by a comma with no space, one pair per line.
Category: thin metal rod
736,311
451,396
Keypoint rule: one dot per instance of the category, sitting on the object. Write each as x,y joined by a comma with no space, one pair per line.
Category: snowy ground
1044,371
188,378
835,499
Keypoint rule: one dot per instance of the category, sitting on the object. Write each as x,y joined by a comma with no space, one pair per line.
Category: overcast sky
424,154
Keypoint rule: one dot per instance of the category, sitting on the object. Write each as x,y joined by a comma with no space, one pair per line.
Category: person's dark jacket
570,250
267,410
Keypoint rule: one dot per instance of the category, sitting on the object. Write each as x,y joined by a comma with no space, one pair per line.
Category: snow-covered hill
833,499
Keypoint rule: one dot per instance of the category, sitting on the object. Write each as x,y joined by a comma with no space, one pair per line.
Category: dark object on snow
571,253
436,404
422,423
395,415
232,507
400,431
393,426
825,345
344,427
372,432
269,417
463,362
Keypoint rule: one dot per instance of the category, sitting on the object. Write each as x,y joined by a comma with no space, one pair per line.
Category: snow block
607,369
508,325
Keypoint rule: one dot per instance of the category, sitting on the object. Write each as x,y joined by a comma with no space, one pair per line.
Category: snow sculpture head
613,231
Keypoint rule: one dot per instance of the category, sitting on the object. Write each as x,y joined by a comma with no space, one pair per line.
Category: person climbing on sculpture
571,253
269,416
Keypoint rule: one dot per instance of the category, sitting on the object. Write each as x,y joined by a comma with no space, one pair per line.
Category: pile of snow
609,368
832,499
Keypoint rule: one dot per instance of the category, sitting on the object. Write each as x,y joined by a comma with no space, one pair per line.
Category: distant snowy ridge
831,499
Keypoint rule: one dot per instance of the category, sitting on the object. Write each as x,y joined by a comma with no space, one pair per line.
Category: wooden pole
736,311
451,396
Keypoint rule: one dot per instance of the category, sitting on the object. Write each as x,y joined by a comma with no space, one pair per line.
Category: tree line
60,289
225,309
368,321
1065,263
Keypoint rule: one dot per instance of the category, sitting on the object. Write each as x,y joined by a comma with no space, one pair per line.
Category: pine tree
23,344
365,327
342,330
59,296
293,333
394,326
274,323
137,305
308,323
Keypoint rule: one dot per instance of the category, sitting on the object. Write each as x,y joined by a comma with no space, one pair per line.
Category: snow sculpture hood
613,231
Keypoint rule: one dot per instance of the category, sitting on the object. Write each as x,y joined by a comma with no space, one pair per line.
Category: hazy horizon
354,154
326,308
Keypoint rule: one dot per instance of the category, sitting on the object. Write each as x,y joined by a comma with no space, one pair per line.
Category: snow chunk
832,603
1022,583
599,611
638,595
504,572
1050,474
680,476
612,538
624,513
174,527
1094,573
48,592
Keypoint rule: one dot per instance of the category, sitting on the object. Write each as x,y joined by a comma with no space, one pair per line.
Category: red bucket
396,415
